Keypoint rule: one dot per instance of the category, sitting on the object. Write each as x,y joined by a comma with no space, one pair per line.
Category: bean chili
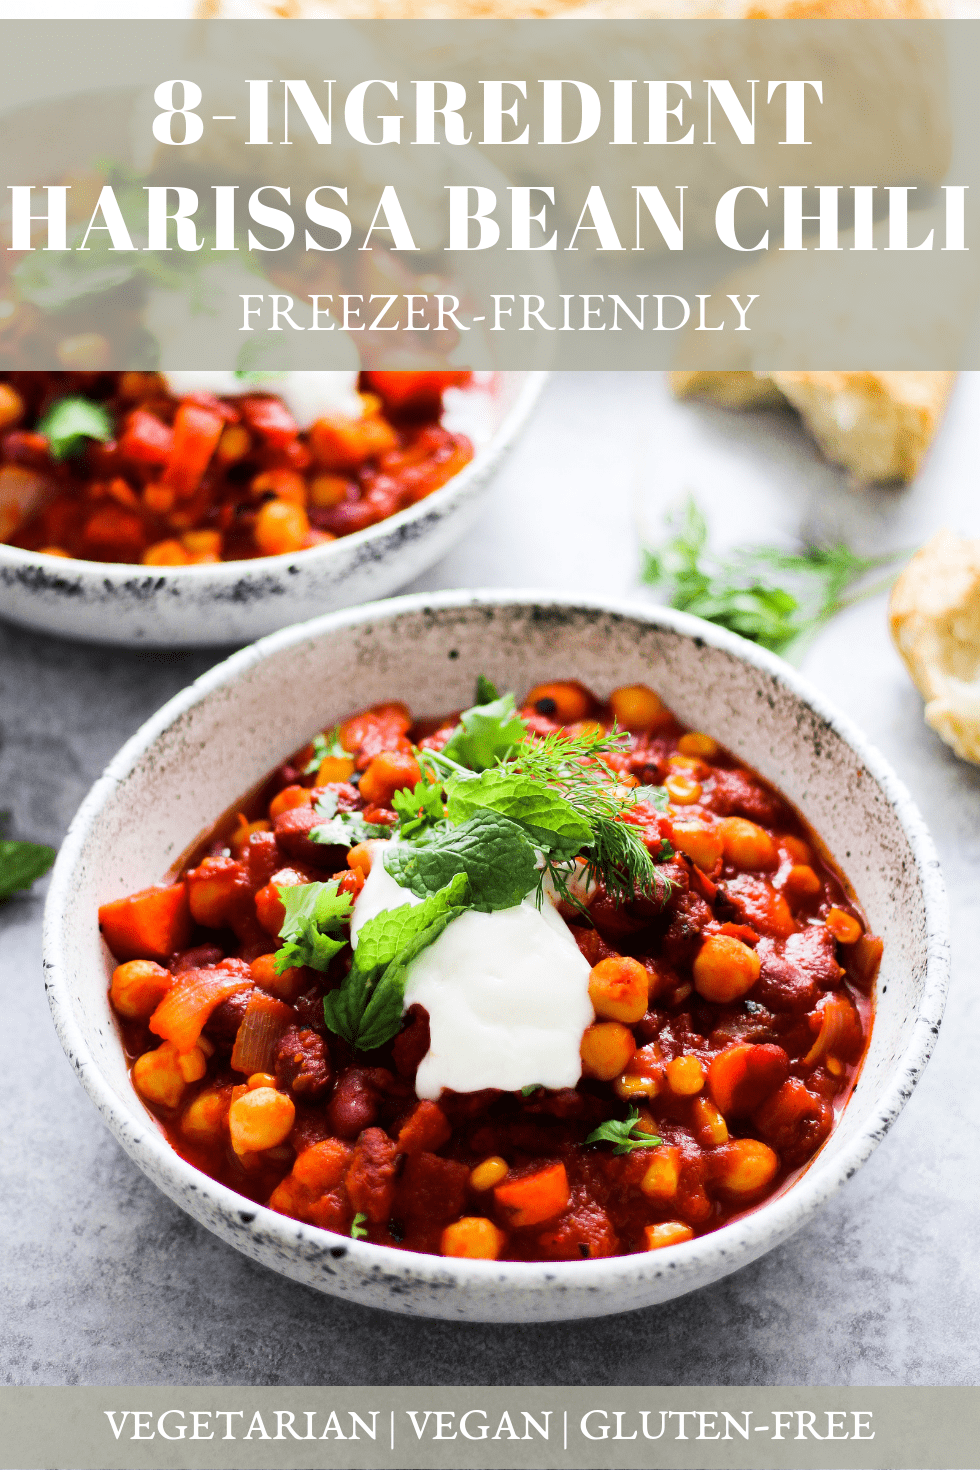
201,479
730,1021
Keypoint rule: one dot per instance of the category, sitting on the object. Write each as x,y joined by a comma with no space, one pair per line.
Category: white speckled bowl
209,744
237,601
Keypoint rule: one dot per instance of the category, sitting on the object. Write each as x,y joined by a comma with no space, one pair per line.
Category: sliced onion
259,1034
837,1028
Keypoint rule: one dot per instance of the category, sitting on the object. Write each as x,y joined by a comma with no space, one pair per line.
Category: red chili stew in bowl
720,976
115,467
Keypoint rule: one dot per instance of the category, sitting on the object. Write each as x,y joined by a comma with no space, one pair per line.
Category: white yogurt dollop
507,994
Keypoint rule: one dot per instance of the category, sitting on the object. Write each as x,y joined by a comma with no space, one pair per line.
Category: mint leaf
486,692
493,852
366,1011
620,1132
485,734
418,809
391,932
21,863
312,911
70,421
549,820
325,744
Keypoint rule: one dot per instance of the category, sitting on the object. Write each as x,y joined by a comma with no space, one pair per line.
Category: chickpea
747,845
636,708
744,1166
701,844
472,1238
283,484
670,1232
165,554
663,1174
606,1050
157,1076
802,882
489,1173
359,859
280,528
695,743
205,1119
260,1119
389,772
202,546
11,406
845,928
326,491
685,1076
683,791
725,969
565,701
797,849
234,444
138,987
618,989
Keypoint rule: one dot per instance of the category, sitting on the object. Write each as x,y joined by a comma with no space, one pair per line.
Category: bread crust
934,615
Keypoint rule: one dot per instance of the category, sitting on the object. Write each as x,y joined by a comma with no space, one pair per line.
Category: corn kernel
709,1125
683,791
629,1085
472,1238
843,926
489,1173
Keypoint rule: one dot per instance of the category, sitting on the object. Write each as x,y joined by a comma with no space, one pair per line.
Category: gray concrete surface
102,1280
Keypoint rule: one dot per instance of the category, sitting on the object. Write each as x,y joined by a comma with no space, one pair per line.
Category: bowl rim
444,499
706,1257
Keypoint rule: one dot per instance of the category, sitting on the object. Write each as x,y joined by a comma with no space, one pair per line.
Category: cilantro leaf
620,1132
70,421
367,1009
493,852
357,1226
313,910
21,863
486,691
419,809
548,819
326,744
656,796
485,734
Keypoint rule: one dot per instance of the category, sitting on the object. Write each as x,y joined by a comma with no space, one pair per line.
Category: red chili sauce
201,479
733,1019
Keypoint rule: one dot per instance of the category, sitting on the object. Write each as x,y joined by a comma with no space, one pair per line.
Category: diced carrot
271,418
323,1165
535,1197
186,1008
196,434
149,925
427,1129
146,439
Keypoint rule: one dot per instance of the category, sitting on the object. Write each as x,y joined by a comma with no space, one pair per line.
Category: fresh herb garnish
70,422
325,745
343,829
620,1132
418,810
494,853
544,814
738,591
486,734
531,1088
486,690
313,912
357,1226
366,1011
21,863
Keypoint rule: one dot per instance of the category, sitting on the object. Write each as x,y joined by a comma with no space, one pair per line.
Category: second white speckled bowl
195,757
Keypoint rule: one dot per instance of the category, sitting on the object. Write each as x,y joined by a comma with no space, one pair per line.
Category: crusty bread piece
934,615
877,425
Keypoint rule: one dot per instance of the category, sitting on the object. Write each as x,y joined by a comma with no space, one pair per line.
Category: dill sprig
617,856
739,591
